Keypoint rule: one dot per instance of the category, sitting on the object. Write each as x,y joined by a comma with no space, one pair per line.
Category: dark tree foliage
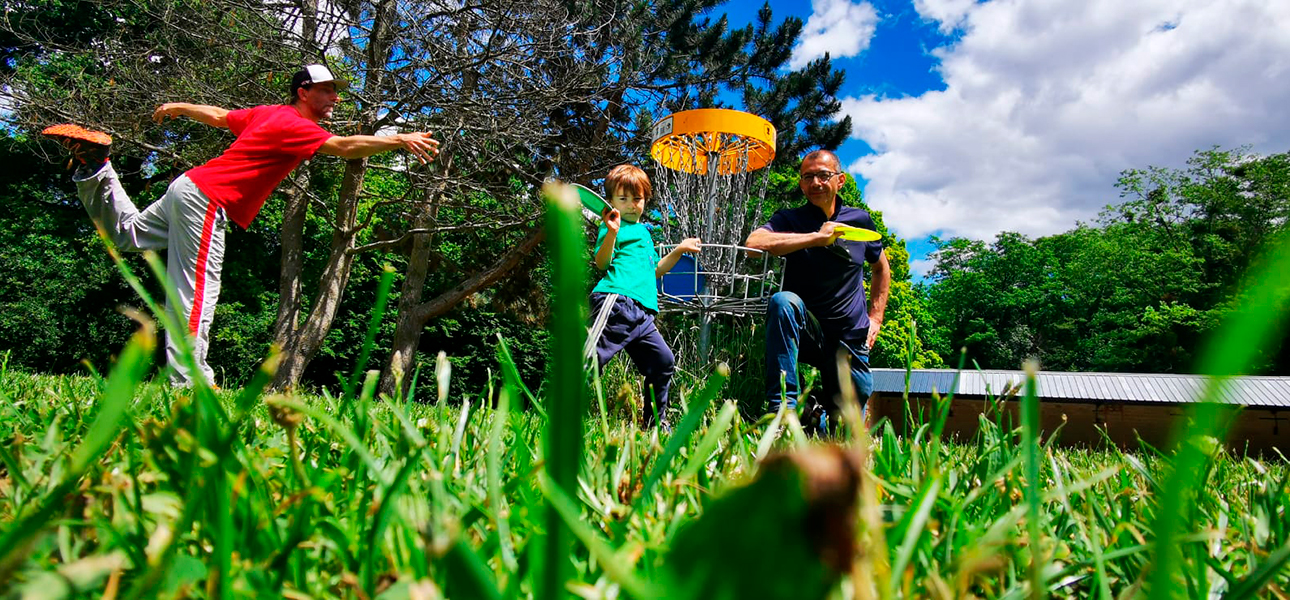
64,23
803,105
58,291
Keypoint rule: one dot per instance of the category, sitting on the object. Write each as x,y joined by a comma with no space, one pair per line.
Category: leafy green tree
58,290
1138,292
998,301
803,104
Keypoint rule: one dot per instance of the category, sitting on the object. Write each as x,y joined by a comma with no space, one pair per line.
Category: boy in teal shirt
625,249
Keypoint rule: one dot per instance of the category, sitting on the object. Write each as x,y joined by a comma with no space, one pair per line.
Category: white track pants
190,228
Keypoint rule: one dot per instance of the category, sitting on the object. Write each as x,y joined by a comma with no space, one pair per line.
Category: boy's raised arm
605,252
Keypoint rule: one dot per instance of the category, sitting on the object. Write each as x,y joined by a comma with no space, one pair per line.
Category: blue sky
972,118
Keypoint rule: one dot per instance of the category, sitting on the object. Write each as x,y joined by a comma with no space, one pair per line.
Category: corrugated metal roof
1089,387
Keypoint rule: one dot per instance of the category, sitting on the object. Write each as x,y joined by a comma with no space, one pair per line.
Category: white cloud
920,267
948,13
839,27
1046,101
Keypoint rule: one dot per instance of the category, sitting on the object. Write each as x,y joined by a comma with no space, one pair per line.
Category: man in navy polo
821,310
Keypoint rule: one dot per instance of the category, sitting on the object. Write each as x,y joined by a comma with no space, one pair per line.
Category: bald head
827,156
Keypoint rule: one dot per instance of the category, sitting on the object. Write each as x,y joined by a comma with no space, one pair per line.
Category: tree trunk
407,331
308,28
302,346
292,231
292,235
412,321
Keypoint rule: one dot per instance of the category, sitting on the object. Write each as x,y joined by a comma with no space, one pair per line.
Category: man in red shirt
189,220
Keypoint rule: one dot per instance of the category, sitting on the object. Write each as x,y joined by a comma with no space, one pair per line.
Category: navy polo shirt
830,279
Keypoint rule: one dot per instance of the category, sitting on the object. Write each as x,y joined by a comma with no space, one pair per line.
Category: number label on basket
662,128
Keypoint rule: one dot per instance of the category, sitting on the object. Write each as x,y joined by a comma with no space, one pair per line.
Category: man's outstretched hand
420,144
167,110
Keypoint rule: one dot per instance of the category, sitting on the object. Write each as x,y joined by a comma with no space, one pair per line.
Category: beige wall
1262,429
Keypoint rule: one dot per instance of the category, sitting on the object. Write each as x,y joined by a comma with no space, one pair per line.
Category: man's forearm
880,285
363,146
780,244
210,115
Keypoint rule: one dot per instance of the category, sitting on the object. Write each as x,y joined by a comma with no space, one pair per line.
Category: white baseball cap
312,74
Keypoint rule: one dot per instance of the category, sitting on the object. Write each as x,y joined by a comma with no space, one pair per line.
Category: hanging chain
710,195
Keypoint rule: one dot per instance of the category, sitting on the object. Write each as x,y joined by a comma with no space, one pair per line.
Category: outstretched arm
210,115
665,264
419,143
879,287
780,244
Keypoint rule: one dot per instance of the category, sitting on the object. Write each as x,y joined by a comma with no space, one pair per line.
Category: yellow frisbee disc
857,234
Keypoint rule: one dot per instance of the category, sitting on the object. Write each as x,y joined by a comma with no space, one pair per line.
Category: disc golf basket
708,173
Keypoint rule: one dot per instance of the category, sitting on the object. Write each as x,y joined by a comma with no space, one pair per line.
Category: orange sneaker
88,147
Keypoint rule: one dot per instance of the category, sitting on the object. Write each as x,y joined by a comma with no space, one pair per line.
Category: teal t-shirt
631,268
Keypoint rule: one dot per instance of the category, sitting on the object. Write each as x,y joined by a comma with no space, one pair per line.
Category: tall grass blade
767,440
1257,323
720,425
496,498
563,441
1030,448
373,326
348,435
686,428
1253,584
468,575
567,510
130,369
511,374
380,521
913,524
173,322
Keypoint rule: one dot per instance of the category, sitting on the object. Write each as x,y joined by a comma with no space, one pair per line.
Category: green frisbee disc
591,200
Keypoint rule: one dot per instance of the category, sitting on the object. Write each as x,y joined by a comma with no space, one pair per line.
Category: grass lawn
315,497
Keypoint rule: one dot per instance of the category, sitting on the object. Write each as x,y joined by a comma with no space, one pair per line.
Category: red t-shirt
271,141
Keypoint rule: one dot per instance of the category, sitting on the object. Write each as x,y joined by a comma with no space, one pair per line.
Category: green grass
414,500
116,487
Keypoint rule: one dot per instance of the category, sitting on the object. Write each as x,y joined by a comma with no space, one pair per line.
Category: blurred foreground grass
446,498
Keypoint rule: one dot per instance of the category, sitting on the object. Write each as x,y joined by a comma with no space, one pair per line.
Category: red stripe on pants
199,289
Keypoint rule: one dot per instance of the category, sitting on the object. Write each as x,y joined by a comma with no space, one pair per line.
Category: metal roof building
1128,388
1089,408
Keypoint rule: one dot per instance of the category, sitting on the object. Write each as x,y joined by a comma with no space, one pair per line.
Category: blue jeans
793,334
